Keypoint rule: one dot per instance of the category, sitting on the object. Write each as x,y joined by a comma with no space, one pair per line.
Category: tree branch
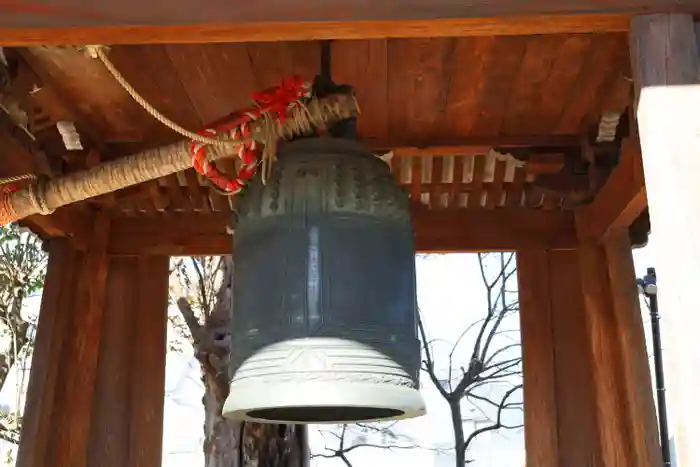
430,365
500,365
499,319
204,303
11,436
459,339
500,351
190,319
498,424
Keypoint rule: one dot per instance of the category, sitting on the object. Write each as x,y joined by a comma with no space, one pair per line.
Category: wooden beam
442,150
620,201
435,231
68,222
470,145
64,13
14,34
130,21
548,163
666,66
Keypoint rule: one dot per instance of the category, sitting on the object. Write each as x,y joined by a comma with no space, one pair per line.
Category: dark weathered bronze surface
325,249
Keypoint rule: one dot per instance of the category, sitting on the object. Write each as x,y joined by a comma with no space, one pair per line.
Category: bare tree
488,383
492,375
22,271
201,289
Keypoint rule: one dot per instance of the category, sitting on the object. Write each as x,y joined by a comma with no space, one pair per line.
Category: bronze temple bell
325,313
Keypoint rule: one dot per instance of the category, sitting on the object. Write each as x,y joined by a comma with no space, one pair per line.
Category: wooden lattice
440,182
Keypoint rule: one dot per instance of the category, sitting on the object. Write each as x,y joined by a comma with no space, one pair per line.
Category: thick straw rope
272,101
43,197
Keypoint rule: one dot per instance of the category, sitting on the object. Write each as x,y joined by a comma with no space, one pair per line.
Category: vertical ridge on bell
313,280
335,260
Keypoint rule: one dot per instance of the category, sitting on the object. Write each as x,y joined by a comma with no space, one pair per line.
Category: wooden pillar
587,386
666,67
96,388
626,418
560,416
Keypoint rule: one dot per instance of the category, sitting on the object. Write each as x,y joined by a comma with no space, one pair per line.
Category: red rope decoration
276,101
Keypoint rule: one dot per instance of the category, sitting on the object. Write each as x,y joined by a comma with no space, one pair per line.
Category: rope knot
271,106
277,100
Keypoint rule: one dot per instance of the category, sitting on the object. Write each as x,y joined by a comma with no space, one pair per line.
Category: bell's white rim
245,398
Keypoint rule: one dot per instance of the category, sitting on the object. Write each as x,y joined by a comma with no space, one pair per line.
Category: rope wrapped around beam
43,197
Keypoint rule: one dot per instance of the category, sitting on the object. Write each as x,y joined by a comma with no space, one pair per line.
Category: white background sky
451,296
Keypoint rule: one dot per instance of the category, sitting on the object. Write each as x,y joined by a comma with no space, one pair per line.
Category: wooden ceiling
422,92
432,103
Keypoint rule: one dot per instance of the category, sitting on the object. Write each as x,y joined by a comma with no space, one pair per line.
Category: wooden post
636,375
666,67
560,415
540,389
624,402
97,382
587,385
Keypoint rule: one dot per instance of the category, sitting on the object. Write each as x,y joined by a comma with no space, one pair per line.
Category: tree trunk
235,444
221,437
18,330
458,427
10,425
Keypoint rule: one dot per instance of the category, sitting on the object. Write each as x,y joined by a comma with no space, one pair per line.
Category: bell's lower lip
320,414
